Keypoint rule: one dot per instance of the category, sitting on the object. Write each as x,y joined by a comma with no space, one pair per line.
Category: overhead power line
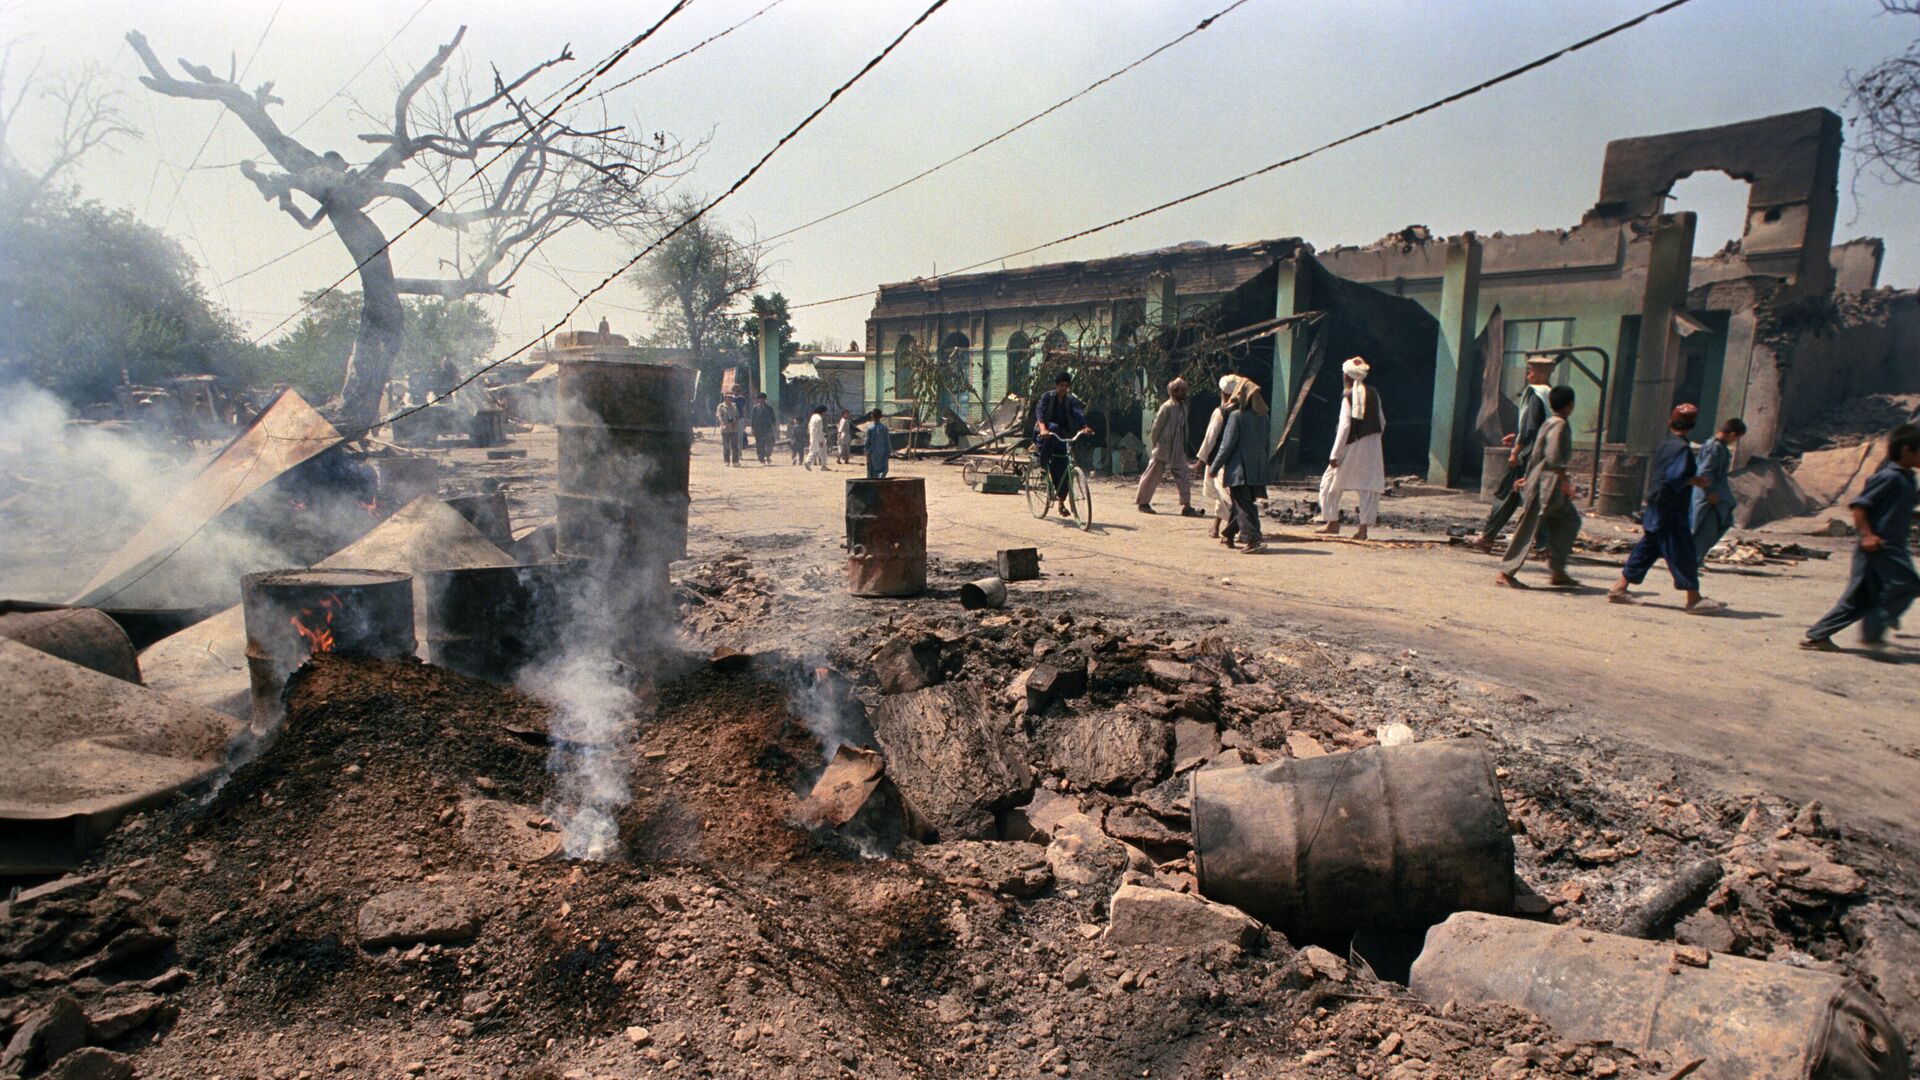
1476,88
1035,118
682,54
351,79
215,126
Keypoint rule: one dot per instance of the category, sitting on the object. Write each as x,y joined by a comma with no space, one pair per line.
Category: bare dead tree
1885,103
700,275
551,175
87,116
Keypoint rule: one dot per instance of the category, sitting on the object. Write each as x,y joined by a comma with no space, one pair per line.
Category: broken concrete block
1019,564
951,759
908,662
1055,680
1083,857
47,1035
1885,939
1170,674
1035,822
1138,915
1116,749
1141,828
91,1063
1304,745
420,913
1194,743
845,785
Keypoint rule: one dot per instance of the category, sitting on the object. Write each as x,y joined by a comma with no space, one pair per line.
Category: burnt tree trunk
382,320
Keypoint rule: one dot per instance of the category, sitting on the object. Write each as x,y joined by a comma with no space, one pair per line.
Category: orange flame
372,507
316,625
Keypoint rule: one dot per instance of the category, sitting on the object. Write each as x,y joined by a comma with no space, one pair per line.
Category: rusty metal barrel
986,592
1749,1020
292,614
488,622
887,537
625,443
1623,479
1388,837
1493,469
82,636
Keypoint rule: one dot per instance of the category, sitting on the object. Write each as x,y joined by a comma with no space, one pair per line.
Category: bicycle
1076,499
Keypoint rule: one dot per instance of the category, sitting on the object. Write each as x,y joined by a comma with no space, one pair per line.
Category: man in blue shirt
879,446
1666,531
1057,417
1882,583
1713,504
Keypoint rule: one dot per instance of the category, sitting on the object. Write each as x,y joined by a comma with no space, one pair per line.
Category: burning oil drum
489,622
79,635
625,442
887,537
1388,838
293,614
1747,1019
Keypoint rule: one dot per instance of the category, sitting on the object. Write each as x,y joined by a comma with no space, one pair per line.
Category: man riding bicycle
1058,417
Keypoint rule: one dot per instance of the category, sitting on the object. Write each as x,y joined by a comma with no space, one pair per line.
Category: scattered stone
1001,866
422,913
1082,856
1394,734
1139,827
119,1016
639,1036
951,759
1058,680
1303,745
1170,674
1138,915
1194,743
1114,749
909,661
91,1063
1322,964
50,1033
1036,821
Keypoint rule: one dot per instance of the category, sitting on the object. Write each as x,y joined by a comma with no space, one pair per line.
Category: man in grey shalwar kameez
1169,440
1547,498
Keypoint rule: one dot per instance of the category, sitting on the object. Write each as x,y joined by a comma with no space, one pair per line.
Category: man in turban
1357,464
1169,441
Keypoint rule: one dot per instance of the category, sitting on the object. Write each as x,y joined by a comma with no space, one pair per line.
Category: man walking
845,436
1667,534
728,416
1534,412
1547,497
1241,458
1713,504
1882,583
817,439
879,446
763,422
1358,462
1057,417
1169,439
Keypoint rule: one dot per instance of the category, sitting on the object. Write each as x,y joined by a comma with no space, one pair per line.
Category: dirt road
1727,698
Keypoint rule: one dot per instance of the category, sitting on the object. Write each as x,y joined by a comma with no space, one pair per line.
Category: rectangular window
1524,336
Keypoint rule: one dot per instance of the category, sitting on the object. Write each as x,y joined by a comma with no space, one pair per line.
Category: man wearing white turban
1357,463
1222,499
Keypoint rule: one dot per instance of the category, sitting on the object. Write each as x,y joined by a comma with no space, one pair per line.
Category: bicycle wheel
970,473
1034,480
1082,494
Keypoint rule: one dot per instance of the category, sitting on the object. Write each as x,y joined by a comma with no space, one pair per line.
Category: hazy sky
1270,79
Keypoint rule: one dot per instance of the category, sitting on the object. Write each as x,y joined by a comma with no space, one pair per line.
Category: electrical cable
1487,84
682,54
215,126
378,53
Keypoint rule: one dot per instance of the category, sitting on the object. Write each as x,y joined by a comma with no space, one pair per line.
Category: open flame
315,625
371,506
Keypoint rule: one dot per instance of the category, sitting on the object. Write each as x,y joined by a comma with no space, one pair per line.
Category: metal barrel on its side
986,592
1748,1019
292,614
489,622
1622,485
887,537
1388,837
82,636
625,443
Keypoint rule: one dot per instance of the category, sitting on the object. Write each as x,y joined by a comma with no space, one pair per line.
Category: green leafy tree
696,281
312,357
88,295
774,304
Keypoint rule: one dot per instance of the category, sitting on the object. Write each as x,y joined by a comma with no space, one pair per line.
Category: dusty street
1729,696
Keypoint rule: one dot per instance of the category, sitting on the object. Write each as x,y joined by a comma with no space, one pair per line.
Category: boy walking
879,446
1547,497
1713,504
1667,533
1882,583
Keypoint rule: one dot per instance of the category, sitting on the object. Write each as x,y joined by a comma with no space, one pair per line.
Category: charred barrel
887,537
1748,1019
488,512
82,636
488,622
625,442
1622,485
987,592
292,614
1389,837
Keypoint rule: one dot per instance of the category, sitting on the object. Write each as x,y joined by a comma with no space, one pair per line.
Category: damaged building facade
1777,328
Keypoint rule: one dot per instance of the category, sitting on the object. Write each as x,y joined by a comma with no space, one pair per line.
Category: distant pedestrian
1169,441
1666,533
797,439
728,416
1713,504
879,446
1547,497
1242,460
1881,584
817,439
1357,464
844,434
1533,416
765,424
1222,502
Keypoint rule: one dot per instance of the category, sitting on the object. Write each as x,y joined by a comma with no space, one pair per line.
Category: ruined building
1776,328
